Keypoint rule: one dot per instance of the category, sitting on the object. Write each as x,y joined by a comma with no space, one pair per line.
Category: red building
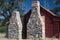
51,20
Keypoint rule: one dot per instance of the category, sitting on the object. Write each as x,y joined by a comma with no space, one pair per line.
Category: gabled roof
46,11
49,11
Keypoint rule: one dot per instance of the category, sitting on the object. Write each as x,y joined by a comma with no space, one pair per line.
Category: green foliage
57,9
2,29
5,5
57,2
1,2
10,6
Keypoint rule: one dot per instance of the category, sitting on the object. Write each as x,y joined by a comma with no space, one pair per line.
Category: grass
2,36
2,29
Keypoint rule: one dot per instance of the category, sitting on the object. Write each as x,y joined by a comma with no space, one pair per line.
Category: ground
2,37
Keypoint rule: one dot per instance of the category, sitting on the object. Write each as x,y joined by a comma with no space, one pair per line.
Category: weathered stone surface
15,26
34,25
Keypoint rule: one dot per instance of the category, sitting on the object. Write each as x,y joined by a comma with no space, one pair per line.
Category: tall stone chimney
15,27
34,25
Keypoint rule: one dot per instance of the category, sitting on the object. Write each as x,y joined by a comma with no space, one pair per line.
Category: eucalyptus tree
7,6
56,10
57,2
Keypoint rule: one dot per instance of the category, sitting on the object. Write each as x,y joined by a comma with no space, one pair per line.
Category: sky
50,4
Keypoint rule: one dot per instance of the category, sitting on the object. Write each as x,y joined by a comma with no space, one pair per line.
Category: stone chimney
35,22
15,27
36,5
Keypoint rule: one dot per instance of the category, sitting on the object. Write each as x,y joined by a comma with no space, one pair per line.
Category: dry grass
2,37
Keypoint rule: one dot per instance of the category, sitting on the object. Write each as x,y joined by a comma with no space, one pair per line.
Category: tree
57,2
57,9
7,6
